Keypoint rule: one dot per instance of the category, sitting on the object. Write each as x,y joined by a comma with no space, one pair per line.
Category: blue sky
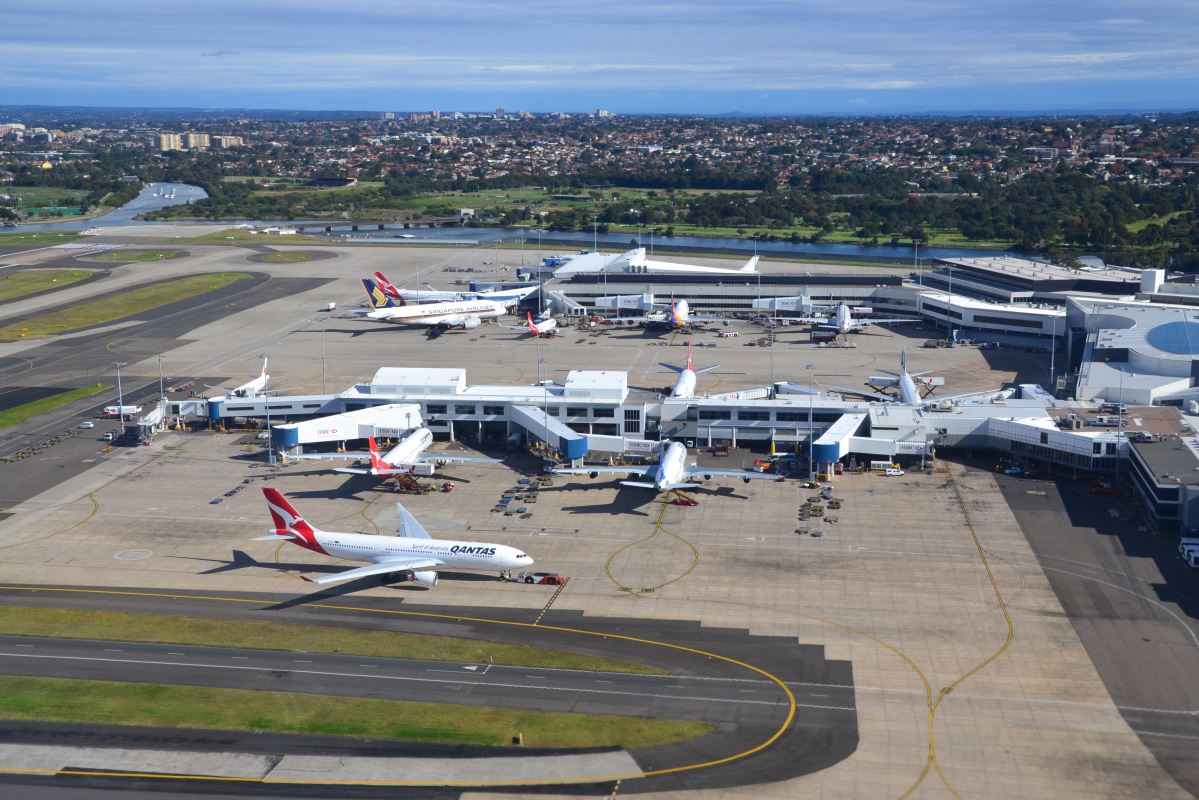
705,56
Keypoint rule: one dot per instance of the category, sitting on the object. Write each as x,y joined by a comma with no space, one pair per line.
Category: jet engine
592,474
745,479
425,577
470,323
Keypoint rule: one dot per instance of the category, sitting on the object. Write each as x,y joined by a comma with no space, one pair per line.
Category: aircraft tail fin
532,326
377,462
903,359
388,287
264,373
751,265
286,518
690,366
375,296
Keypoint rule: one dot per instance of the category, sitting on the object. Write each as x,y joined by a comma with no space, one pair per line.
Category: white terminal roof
1161,342
963,301
1039,270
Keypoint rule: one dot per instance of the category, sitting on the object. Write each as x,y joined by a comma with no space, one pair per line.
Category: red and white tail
689,365
377,462
388,288
285,516
532,327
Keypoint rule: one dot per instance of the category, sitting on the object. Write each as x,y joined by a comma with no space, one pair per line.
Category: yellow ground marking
95,509
658,528
774,737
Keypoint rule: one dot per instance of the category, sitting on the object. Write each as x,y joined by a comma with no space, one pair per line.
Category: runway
745,702
710,699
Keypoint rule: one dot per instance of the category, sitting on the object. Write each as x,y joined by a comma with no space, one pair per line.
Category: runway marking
789,717
412,679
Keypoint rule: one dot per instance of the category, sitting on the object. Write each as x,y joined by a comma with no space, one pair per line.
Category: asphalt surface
1134,605
710,699
748,708
67,363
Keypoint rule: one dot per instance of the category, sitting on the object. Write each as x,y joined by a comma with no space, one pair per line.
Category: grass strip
109,702
31,281
135,255
286,257
117,306
18,414
63,623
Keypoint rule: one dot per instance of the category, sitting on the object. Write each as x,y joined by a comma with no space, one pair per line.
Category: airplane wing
447,458
320,456
630,471
450,320
381,568
692,472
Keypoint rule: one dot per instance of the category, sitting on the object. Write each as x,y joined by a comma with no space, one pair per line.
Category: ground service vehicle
548,578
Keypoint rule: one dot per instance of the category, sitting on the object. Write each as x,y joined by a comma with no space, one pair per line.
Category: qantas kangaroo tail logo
377,462
388,287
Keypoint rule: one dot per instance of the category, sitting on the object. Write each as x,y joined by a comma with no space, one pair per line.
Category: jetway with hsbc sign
385,422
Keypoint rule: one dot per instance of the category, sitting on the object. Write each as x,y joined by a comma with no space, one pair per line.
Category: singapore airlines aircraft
669,474
251,388
412,555
465,314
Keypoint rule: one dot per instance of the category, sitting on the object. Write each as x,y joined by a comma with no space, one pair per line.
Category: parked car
893,473
108,436
86,425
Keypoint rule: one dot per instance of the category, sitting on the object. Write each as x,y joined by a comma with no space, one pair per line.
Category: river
159,195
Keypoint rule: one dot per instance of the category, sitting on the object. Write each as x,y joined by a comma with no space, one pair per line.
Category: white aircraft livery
411,555
669,474
406,458
251,388
684,386
464,314
403,296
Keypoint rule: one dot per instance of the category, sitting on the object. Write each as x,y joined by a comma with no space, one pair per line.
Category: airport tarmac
914,586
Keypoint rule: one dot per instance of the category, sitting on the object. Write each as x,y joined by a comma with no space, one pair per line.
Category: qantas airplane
252,388
669,474
465,314
543,328
411,555
684,386
404,296
406,458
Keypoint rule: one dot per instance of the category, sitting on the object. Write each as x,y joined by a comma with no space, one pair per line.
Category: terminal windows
750,416
435,408
603,413
632,420
493,410
790,416
709,414
464,409
576,411
1013,321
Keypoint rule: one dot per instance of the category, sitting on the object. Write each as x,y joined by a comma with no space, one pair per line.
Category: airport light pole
270,444
161,391
120,394
811,428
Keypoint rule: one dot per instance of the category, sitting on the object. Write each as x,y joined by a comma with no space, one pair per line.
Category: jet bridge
571,444
390,421
834,443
